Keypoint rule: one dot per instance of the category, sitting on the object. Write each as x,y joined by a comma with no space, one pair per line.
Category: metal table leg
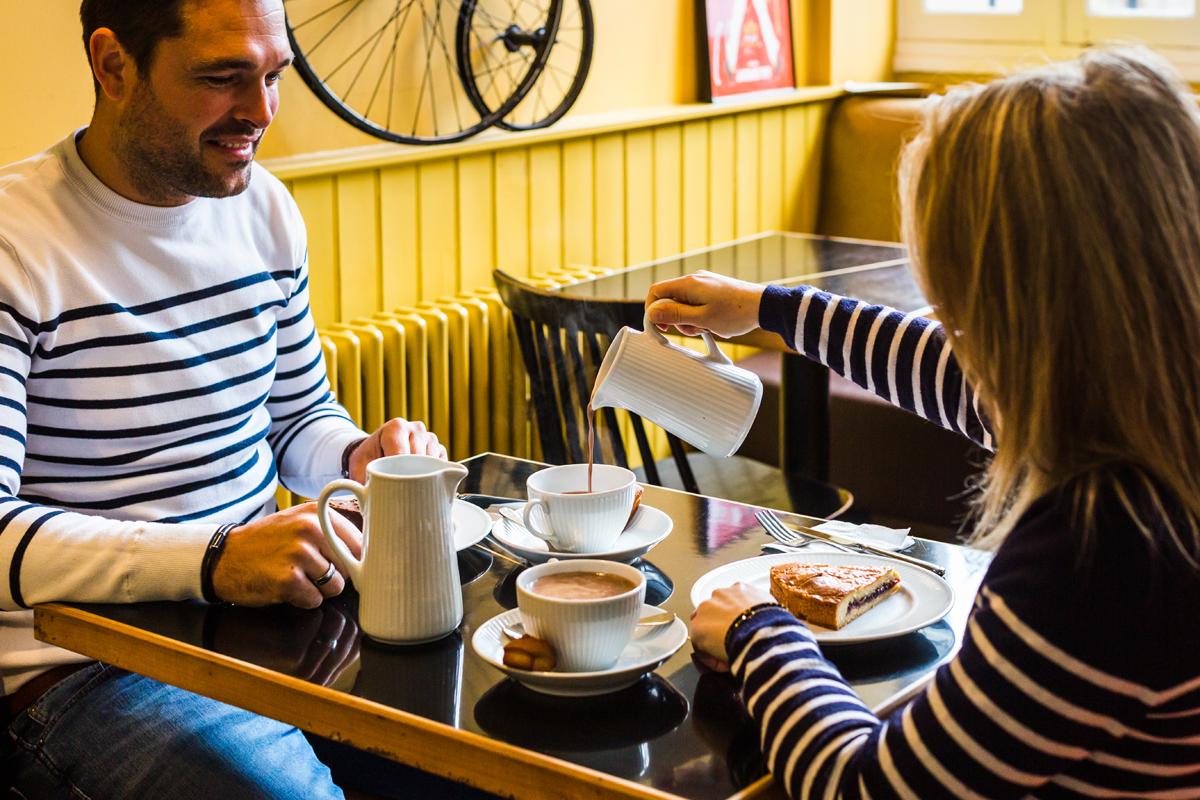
804,431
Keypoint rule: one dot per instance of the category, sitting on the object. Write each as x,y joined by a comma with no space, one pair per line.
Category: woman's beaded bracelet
215,546
743,618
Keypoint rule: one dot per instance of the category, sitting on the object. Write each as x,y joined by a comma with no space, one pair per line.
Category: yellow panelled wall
417,224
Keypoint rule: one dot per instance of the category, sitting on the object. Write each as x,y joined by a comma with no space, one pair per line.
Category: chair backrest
563,341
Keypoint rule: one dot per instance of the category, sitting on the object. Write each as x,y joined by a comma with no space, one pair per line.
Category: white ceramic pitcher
407,579
700,397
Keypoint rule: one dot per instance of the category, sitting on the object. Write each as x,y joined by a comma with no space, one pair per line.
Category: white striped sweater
1078,676
159,372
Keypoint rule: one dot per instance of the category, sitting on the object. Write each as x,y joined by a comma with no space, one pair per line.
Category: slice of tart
831,596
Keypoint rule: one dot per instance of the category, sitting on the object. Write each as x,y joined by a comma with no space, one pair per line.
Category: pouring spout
452,476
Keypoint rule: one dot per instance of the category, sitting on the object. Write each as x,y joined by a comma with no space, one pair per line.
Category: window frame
982,44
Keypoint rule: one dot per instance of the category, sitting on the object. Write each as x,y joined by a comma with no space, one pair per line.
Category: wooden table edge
421,744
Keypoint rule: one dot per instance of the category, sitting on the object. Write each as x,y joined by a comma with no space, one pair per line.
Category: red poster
749,46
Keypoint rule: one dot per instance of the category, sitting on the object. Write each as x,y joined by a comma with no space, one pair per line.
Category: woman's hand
711,621
705,301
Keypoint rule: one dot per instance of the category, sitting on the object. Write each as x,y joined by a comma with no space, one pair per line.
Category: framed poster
745,47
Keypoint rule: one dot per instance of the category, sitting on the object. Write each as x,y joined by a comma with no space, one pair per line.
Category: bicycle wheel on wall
392,68
557,86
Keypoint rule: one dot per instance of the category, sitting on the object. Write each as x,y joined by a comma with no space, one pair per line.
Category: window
990,36
973,6
1147,9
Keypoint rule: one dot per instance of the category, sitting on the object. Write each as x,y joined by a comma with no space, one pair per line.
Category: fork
788,536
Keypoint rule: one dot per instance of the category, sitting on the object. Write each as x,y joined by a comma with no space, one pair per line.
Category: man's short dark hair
139,25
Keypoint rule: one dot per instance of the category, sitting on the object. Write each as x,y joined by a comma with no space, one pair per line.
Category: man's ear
112,67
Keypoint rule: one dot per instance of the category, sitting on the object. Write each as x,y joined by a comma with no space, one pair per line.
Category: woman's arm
987,726
903,358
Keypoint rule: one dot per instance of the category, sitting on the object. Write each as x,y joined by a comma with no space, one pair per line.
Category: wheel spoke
336,25
424,76
541,86
391,55
378,37
497,23
451,73
395,60
504,67
320,14
491,73
429,30
550,70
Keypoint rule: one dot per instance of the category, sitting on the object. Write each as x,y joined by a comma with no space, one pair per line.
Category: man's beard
164,161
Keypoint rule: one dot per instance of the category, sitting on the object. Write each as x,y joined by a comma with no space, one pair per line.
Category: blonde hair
1054,222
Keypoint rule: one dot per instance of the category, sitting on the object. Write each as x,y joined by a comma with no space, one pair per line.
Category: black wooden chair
563,341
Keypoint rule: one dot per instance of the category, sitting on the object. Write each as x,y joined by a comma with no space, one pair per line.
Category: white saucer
650,526
923,599
645,653
471,524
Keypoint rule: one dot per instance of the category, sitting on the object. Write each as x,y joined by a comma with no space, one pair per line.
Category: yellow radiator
453,363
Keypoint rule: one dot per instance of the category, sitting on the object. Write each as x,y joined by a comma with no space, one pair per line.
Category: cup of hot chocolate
587,610
563,512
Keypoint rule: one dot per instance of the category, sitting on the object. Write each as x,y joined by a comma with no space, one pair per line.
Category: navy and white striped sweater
159,372
1079,675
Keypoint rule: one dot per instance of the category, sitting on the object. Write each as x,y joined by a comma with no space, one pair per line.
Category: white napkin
875,535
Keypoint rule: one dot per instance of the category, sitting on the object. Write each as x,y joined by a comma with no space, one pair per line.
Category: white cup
586,635
701,398
579,523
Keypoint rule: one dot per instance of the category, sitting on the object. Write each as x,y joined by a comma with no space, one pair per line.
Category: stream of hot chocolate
591,415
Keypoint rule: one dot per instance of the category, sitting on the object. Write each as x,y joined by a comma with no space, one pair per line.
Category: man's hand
395,437
712,618
705,301
277,558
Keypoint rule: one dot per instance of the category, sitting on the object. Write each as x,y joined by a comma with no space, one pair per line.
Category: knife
848,542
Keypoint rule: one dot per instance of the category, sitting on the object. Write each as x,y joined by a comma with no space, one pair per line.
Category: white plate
471,524
923,599
643,654
650,526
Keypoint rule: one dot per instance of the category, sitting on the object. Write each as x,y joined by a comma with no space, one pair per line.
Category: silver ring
324,579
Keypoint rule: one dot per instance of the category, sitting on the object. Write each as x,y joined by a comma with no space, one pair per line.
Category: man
159,372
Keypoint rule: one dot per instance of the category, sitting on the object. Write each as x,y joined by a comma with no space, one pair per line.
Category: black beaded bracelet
215,546
743,618
347,452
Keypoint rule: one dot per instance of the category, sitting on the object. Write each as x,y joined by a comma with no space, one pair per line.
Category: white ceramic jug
407,579
701,398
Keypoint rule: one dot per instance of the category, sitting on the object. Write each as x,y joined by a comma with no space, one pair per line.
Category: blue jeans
104,733
107,733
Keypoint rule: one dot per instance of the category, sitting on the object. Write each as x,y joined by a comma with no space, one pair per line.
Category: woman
1053,220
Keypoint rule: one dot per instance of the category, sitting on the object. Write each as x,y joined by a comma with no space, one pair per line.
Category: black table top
677,730
877,272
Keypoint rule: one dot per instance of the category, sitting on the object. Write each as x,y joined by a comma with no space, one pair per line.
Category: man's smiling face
190,127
